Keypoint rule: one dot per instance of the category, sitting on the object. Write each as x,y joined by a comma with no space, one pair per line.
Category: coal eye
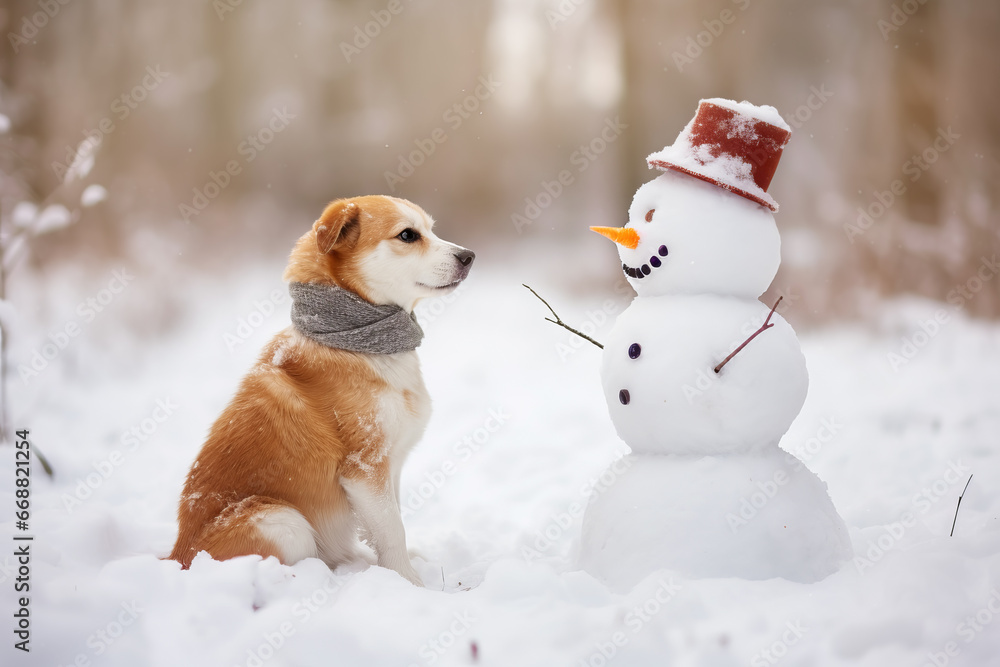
408,236
649,215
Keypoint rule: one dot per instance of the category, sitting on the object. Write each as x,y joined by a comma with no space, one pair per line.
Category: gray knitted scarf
338,318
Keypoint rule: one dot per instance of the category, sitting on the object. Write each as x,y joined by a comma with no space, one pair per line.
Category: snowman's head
686,236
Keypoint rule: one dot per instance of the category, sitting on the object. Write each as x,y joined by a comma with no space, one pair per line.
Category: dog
310,450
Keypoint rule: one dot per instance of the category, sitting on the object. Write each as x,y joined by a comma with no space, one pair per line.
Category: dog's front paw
411,575
402,566
364,553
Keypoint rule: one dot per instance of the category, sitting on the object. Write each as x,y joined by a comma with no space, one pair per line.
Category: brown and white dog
311,448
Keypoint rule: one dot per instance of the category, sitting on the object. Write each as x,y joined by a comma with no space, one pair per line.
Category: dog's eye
408,236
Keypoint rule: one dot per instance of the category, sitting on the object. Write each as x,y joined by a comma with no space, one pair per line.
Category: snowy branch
955,520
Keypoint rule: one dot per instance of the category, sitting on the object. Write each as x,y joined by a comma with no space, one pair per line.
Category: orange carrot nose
624,236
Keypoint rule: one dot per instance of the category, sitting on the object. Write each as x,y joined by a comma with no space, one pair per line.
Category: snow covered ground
492,497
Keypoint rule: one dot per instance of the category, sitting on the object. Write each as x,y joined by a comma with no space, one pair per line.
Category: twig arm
559,321
767,325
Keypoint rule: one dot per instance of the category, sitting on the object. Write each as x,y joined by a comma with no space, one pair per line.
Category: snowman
702,379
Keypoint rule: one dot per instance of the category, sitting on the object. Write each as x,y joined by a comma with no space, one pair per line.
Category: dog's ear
339,227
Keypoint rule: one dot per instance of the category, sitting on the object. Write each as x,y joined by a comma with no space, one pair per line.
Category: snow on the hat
766,113
727,171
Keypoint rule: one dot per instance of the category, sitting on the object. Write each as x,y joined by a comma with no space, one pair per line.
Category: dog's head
382,249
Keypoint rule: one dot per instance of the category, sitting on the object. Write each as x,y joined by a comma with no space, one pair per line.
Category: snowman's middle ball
664,395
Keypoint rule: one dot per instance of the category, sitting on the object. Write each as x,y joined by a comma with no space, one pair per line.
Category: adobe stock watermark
223,7
594,320
914,168
561,12
706,378
102,639
968,630
931,494
246,326
806,451
635,620
967,291
33,24
435,647
923,501
463,451
561,522
750,506
121,108
584,156
453,117
814,102
86,311
303,611
911,345
697,44
130,441
365,34
248,149
429,311
778,649
898,17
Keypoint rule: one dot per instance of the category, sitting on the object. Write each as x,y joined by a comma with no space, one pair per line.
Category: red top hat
734,145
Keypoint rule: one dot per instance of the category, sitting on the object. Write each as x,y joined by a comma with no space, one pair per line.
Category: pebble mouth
642,271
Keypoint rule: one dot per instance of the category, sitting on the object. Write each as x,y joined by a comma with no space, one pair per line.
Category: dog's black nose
465,257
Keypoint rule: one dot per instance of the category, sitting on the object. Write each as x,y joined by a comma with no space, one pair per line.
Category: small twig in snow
953,521
559,321
763,328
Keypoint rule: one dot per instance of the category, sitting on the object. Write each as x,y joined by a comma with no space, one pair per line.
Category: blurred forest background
219,128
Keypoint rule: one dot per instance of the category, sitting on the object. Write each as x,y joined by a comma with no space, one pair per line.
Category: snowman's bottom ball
752,516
